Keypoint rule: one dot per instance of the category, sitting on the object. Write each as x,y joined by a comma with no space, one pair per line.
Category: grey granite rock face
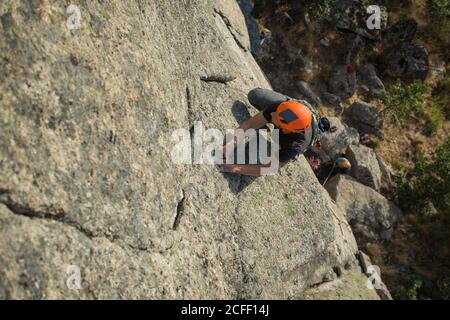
342,83
366,118
367,76
407,61
366,209
387,173
355,16
365,166
87,178
308,94
352,285
336,143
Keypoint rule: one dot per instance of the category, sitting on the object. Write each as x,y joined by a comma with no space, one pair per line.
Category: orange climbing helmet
293,116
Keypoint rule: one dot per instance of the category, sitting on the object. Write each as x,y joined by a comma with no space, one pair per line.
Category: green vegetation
6,117
428,183
425,191
408,291
402,101
321,9
441,97
439,111
376,144
437,32
435,118
444,288
440,8
420,288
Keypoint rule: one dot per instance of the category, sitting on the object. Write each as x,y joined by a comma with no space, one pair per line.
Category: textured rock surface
367,76
235,21
407,61
352,285
307,93
365,167
366,118
342,83
366,209
336,143
386,174
403,30
353,15
381,288
87,179
331,99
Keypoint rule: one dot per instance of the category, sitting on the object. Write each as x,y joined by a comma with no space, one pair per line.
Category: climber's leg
263,98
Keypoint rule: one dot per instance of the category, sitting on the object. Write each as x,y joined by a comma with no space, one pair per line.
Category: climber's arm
255,122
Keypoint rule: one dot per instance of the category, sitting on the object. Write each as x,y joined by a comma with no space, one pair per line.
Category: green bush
428,183
437,31
440,8
321,9
444,288
401,101
425,190
417,287
436,118
441,96
409,291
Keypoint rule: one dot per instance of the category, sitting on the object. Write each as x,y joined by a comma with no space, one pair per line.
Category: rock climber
300,127
328,169
341,166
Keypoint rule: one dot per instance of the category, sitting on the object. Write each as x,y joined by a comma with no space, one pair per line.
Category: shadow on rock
240,112
237,182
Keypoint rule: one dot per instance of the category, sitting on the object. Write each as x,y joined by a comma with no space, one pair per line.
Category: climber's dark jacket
291,145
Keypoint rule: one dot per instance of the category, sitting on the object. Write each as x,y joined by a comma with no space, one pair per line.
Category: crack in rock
224,79
189,106
191,119
180,211
231,29
59,216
